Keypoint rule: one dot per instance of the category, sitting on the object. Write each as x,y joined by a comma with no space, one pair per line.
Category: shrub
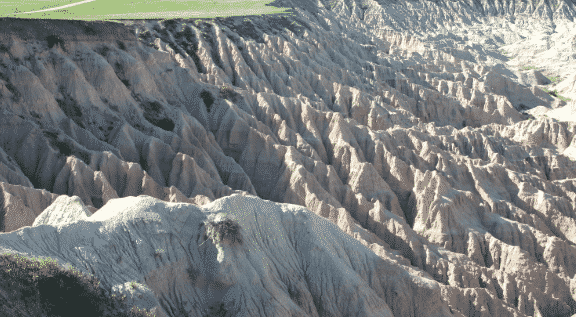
89,30
228,93
192,274
554,79
54,40
555,94
217,310
207,98
121,45
103,50
227,229
552,93
44,288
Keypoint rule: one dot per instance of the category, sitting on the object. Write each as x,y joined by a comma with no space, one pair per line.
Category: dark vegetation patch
172,24
157,28
188,41
295,295
15,93
205,31
225,230
192,274
153,112
246,29
126,82
66,147
97,202
103,50
34,114
207,98
295,26
164,123
89,30
2,223
217,310
184,43
54,40
62,147
157,254
43,288
253,28
121,45
207,34
187,34
164,35
118,67
3,48
235,154
229,93
70,108
174,310
224,175
146,37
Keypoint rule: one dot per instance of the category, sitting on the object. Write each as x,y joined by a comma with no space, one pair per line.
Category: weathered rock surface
281,267
400,122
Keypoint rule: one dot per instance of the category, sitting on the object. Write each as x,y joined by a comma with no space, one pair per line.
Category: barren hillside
382,158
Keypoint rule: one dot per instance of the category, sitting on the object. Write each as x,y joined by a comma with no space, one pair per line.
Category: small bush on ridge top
227,229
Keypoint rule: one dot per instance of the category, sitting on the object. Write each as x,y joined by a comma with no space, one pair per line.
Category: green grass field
105,10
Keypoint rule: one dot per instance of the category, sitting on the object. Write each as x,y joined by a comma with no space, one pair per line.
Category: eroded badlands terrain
439,136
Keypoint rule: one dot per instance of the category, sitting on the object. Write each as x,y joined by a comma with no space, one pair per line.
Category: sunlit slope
129,9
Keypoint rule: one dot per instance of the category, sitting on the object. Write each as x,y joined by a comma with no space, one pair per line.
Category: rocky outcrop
399,123
21,205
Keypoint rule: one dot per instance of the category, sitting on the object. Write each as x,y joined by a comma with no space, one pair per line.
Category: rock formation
438,136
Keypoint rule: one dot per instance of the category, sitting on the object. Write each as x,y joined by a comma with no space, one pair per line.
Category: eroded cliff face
399,122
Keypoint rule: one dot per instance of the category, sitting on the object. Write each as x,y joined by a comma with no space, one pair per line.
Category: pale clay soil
381,158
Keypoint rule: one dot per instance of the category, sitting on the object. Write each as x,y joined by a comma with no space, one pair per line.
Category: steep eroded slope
374,115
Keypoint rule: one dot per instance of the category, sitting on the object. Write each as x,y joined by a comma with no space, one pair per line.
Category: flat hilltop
105,10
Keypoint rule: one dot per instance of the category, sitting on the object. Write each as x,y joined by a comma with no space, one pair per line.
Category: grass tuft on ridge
227,229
